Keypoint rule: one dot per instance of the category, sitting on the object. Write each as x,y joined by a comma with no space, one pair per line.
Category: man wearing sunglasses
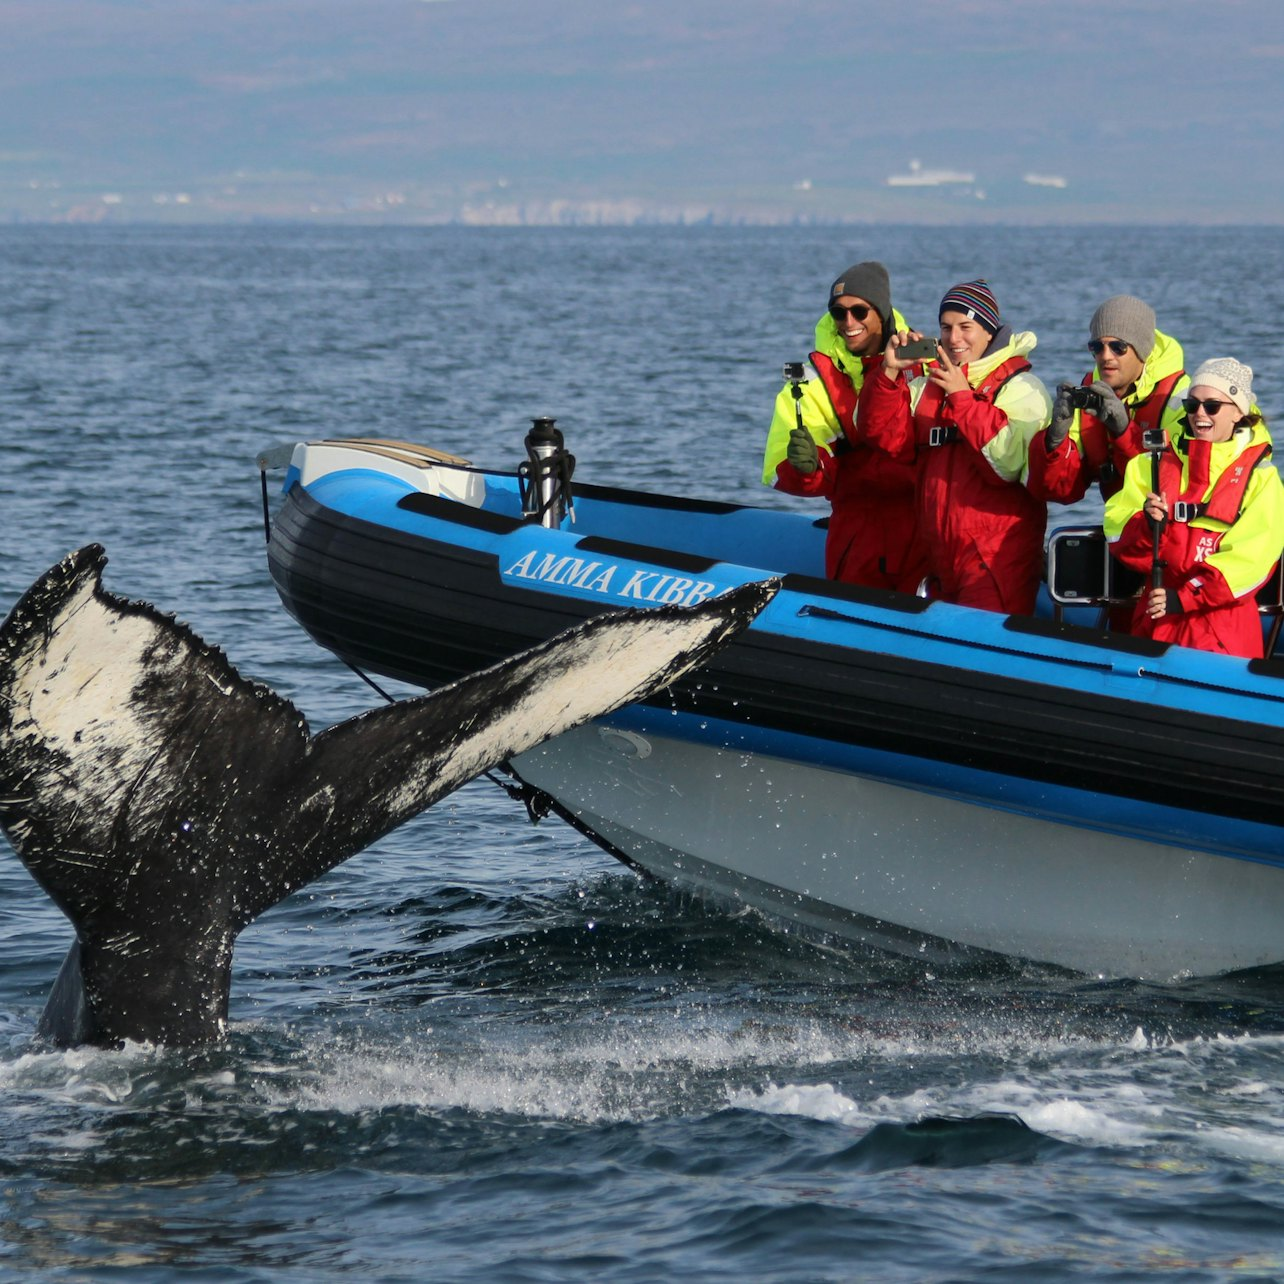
1136,385
1219,514
810,448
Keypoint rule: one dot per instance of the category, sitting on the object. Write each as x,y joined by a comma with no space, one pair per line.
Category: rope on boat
271,460
370,682
267,517
537,803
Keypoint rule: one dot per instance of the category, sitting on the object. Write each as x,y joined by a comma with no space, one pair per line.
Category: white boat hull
880,863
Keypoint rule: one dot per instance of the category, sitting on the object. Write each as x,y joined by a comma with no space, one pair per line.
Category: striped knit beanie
974,299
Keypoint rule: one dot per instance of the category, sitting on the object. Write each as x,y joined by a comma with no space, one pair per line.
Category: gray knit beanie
1229,376
1128,318
868,281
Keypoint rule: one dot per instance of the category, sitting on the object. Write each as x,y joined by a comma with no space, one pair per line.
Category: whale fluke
164,802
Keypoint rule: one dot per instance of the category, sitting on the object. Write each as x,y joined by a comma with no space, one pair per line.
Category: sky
494,111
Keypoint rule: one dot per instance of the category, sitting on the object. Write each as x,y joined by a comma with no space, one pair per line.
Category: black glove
1113,412
802,452
1062,416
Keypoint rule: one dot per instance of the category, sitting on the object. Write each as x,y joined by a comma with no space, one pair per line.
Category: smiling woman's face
1210,426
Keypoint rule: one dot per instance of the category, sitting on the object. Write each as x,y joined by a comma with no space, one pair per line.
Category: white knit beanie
1229,376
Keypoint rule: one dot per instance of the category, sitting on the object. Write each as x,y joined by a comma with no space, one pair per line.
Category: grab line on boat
1205,686
827,613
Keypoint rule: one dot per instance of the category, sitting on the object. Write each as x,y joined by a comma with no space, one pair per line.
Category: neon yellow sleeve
1129,499
1026,403
1252,545
818,418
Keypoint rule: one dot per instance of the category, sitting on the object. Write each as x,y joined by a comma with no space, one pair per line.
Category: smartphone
918,350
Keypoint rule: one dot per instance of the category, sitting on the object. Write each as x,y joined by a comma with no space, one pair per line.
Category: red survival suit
872,537
1219,547
983,529
1065,474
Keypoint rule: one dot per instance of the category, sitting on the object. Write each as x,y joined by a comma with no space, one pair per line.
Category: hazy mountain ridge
565,110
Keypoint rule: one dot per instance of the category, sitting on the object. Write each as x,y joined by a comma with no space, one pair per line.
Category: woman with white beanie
1219,512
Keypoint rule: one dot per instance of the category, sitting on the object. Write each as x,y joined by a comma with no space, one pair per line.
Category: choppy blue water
482,1049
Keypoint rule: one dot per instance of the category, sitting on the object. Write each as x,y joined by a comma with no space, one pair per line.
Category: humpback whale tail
164,802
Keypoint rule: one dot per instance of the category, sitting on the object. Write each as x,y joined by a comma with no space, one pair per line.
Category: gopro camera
794,371
1154,439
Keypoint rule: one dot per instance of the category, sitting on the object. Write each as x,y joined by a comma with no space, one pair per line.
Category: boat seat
405,451
1081,572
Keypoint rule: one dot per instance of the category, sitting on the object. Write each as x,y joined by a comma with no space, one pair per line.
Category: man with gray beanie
811,449
1098,427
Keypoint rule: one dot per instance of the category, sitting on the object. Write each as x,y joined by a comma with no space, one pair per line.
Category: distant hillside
638,110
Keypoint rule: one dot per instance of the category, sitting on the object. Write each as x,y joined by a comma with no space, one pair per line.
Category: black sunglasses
1191,404
1117,346
858,310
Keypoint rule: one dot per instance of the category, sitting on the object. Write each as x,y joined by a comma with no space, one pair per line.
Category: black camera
1154,439
794,371
1088,399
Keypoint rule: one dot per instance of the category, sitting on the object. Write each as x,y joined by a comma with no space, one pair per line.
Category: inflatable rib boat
867,765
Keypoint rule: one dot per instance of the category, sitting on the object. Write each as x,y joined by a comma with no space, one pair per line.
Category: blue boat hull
1020,722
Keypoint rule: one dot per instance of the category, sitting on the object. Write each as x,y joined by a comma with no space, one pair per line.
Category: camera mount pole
1155,441
794,373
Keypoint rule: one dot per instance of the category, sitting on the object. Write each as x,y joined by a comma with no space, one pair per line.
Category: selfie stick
1154,441
794,373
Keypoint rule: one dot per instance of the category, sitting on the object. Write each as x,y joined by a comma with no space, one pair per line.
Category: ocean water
481,1049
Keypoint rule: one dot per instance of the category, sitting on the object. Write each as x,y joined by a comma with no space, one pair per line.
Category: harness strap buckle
942,435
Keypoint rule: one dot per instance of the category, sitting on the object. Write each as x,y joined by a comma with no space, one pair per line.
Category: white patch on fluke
599,673
74,691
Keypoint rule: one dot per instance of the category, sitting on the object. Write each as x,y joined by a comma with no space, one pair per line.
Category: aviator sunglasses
1211,407
858,310
1117,346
